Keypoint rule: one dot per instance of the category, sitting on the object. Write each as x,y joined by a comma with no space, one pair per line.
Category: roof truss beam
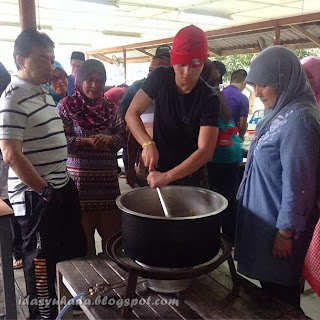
305,33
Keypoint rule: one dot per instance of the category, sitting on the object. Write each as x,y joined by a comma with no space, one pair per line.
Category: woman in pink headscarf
311,267
311,65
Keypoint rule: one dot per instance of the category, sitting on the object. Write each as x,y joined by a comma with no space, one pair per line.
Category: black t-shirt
131,91
178,117
4,78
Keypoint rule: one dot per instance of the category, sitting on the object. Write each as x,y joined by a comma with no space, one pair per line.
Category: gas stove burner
155,268
115,250
168,286
167,280
171,286
165,286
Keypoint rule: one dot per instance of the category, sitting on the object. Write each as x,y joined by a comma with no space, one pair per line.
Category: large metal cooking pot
188,237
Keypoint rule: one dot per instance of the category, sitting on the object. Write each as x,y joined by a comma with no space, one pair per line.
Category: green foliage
242,61
301,53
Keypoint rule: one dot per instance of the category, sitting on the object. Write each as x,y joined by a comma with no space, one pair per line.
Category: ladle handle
163,204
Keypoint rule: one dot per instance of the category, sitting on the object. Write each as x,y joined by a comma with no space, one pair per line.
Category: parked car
256,116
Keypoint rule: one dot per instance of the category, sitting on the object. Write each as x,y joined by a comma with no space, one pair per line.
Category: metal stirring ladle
163,204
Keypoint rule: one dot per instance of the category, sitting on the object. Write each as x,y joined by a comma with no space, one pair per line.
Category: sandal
122,175
17,264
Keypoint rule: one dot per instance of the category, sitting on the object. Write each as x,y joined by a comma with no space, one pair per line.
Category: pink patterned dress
311,267
94,172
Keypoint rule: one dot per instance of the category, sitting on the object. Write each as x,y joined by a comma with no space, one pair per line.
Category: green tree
234,62
242,61
301,53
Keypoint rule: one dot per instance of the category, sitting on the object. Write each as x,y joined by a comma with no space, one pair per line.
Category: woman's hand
282,244
87,142
101,142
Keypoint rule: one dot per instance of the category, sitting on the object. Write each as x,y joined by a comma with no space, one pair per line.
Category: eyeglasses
55,79
97,81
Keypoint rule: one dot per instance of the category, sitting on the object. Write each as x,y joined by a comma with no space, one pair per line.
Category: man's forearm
139,104
242,127
137,129
25,171
133,148
195,161
242,133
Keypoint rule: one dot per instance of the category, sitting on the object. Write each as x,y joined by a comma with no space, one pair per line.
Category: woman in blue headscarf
279,190
58,83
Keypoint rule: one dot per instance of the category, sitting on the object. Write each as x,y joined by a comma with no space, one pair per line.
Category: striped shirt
28,114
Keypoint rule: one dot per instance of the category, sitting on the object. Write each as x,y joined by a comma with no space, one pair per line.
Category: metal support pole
27,11
125,64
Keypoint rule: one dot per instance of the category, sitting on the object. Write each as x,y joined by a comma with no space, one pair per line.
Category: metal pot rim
143,215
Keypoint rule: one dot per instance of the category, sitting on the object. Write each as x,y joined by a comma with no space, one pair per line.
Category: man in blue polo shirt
237,101
76,61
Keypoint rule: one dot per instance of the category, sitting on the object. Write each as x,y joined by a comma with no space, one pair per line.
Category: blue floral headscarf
280,68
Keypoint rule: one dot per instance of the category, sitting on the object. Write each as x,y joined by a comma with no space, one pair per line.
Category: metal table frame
7,269
134,270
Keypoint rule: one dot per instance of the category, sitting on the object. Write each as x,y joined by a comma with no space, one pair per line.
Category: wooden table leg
126,311
234,275
64,296
302,284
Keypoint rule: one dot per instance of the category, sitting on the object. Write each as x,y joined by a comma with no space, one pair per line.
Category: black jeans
224,179
288,294
51,232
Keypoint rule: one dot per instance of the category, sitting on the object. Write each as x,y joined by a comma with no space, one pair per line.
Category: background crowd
60,136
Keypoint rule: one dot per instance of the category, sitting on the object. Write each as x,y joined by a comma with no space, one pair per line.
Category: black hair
164,58
238,76
123,85
209,75
4,78
26,40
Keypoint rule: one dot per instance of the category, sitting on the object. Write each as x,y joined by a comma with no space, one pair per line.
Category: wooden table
6,259
210,296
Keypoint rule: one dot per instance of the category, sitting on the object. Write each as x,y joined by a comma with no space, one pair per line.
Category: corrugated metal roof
295,32
84,25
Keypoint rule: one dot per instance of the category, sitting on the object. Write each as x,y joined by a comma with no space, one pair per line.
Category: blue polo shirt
237,102
71,85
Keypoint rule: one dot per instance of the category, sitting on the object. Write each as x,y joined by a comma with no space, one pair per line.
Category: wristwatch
46,191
